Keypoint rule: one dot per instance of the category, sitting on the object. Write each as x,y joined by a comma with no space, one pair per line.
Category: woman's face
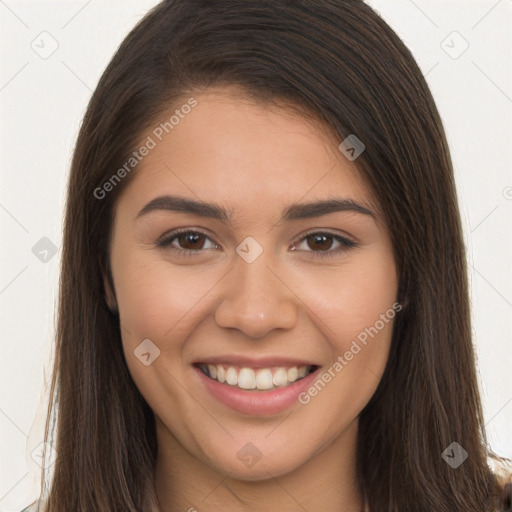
255,284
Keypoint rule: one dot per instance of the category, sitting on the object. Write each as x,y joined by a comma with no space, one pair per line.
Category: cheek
158,301
351,298
163,304
355,308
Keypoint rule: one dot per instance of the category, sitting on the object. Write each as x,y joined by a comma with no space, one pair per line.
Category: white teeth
279,378
292,374
213,371
262,379
247,379
232,376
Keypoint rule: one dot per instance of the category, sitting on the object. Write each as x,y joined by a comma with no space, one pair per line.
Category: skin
253,160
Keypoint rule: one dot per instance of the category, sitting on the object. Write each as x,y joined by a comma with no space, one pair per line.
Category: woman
264,299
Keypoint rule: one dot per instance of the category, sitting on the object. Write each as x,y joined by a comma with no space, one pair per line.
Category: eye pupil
322,242
192,240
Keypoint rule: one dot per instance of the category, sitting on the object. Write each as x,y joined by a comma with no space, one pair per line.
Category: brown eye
191,241
321,244
187,241
320,241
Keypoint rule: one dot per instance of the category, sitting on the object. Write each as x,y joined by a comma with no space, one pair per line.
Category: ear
403,297
405,303
110,295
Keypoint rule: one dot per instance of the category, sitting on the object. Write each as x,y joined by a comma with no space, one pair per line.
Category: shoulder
502,470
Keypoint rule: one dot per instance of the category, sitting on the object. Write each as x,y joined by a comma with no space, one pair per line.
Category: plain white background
43,98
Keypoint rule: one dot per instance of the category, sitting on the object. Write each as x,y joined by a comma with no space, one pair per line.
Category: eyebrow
292,212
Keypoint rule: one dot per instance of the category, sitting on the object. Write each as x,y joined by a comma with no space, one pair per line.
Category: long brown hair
339,61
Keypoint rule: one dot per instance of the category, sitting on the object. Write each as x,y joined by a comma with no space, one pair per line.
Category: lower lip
257,402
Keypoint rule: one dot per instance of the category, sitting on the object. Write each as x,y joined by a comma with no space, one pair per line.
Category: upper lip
255,362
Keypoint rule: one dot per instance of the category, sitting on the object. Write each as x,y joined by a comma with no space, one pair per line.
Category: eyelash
165,242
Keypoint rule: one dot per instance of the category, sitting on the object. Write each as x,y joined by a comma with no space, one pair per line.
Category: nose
256,300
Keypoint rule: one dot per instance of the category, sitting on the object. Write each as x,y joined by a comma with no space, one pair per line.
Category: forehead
244,155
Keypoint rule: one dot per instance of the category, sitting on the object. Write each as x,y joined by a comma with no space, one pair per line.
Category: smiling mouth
261,379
